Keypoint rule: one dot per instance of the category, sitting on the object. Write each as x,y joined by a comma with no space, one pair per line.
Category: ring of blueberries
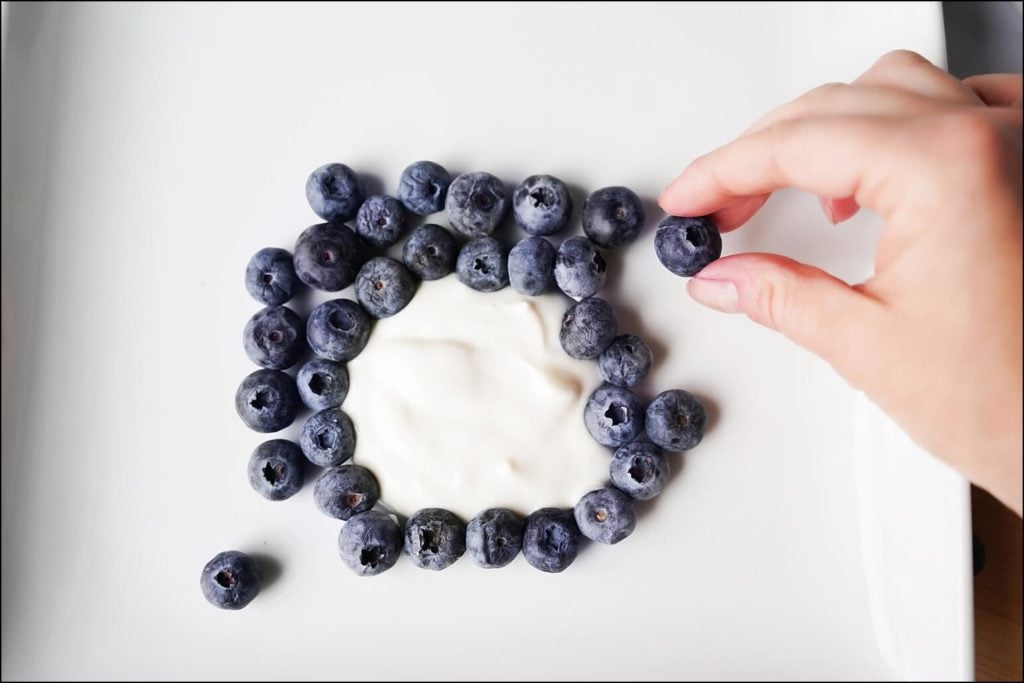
331,256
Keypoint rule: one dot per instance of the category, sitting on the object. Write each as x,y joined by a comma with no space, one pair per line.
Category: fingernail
720,295
826,206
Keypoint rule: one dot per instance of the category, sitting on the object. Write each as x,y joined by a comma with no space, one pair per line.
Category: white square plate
148,150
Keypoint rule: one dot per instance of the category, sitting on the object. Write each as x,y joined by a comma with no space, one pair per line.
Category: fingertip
731,217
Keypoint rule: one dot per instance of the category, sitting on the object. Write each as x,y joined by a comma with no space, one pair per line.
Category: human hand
934,337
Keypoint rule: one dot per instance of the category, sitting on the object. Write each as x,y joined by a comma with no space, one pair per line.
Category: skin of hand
934,336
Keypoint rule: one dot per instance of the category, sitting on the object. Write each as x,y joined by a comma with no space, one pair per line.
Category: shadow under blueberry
644,508
711,412
270,567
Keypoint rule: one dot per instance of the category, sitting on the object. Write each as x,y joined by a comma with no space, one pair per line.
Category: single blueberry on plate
613,216
267,401
542,205
370,543
423,187
334,192
580,270
342,492
614,416
605,515
230,580
476,203
588,327
273,338
328,438
551,539
626,361
686,245
434,538
639,469
384,286
430,252
494,538
276,469
270,276
483,265
322,384
675,420
531,266
328,256
338,329
381,220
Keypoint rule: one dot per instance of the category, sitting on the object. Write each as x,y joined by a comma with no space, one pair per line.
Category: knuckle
900,59
973,135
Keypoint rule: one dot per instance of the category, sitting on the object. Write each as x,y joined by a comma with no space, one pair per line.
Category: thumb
817,311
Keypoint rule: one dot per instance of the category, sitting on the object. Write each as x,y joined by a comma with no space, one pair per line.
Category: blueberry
686,245
605,515
328,256
542,205
580,270
551,539
430,252
334,192
613,216
531,266
625,362
494,538
276,469
675,420
328,438
614,416
384,286
423,187
381,220
338,329
476,203
434,538
370,543
273,338
482,265
270,276
588,327
322,384
639,470
342,492
267,401
230,580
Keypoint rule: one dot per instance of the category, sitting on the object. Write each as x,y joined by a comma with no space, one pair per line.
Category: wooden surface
997,591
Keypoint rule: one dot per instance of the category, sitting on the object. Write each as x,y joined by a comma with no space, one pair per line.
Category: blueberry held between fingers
338,329
342,492
267,401
482,265
334,192
430,252
230,580
626,361
276,469
580,270
686,245
494,538
434,538
423,187
614,416
274,338
551,539
384,286
322,384
605,515
639,470
476,203
328,438
370,543
588,327
270,276
381,220
542,205
675,420
328,256
613,216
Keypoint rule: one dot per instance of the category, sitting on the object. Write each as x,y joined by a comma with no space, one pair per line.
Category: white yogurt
466,401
